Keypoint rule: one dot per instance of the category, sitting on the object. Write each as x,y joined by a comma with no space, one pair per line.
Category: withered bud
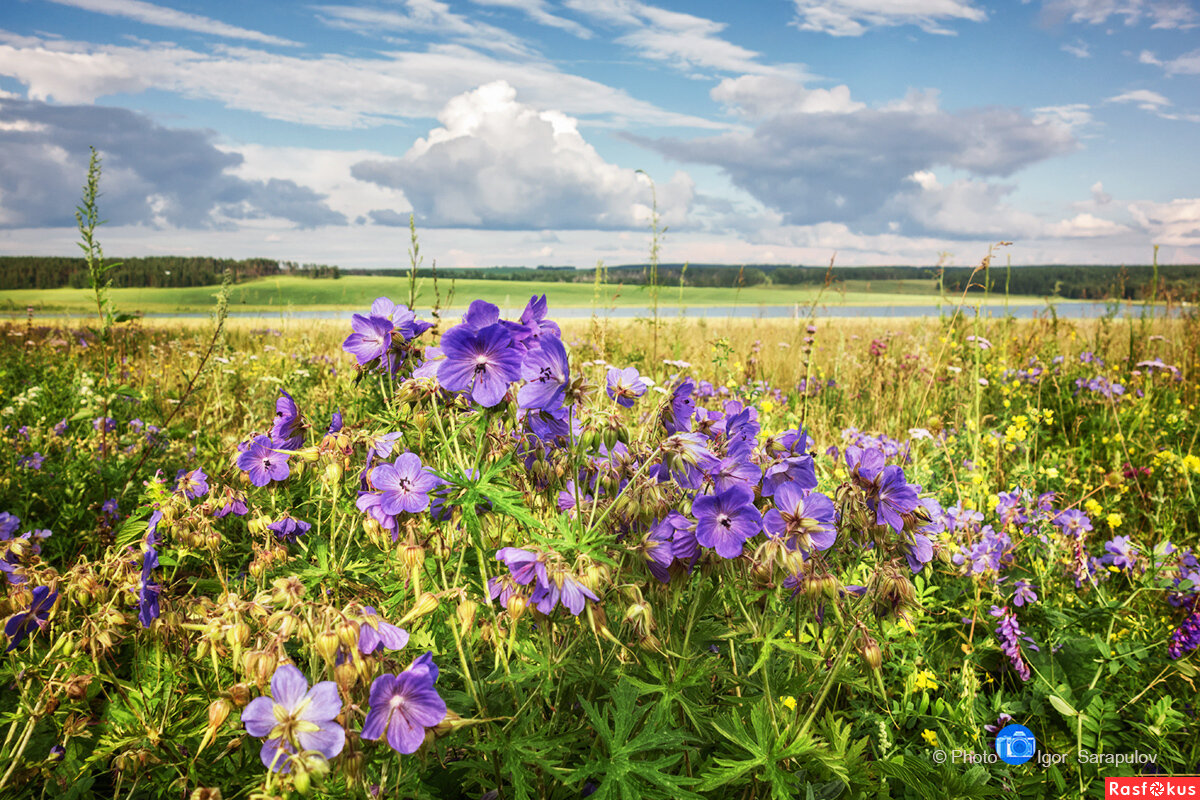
347,632
346,675
466,612
309,454
871,655
239,693
426,604
77,687
205,794
327,645
218,711
413,555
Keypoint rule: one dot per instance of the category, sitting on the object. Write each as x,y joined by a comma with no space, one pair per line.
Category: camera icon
1015,744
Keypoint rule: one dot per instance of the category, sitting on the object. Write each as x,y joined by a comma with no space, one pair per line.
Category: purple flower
1122,553
803,519
546,373
893,496
677,416
735,470
1010,636
335,424
625,386
193,484
235,503
1185,638
687,459
1023,593
33,462
110,508
534,320
8,524
404,485
918,551
296,719
481,314
799,471
288,529
22,623
377,634
480,362
107,423
1073,522
371,340
403,706
524,565
573,594
658,546
148,590
288,429
725,521
60,427
262,462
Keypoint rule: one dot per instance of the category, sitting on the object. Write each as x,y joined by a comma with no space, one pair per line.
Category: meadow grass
356,291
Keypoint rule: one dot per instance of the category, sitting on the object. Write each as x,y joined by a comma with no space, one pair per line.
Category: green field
355,292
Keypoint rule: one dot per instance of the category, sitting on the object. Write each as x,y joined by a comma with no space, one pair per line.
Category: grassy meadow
354,292
697,558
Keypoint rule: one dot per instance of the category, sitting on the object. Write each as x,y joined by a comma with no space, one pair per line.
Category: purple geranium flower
376,634
1073,522
288,529
148,590
546,372
725,521
371,340
404,485
677,416
524,565
235,503
625,386
288,429
480,362
297,719
8,524
193,484
261,461
1023,593
22,623
659,544
403,706
1121,552
803,519
893,496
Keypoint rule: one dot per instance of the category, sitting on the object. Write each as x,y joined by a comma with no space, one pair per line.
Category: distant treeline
52,272
1074,282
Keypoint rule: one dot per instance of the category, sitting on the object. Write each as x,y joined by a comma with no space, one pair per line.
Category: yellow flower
925,681
1114,520
767,406
1092,508
930,737
1192,462
789,702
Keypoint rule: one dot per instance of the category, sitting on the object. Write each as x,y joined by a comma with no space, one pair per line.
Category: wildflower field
462,556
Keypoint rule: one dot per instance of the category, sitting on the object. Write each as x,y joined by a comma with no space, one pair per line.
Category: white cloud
758,96
498,163
1173,223
1075,116
1085,226
684,41
843,166
1078,48
855,17
1099,196
1162,14
1143,98
964,207
423,17
150,14
151,175
328,90
1186,64
538,11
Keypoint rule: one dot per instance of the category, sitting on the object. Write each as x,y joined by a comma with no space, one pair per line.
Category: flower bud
77,687
466,615
515,606
239,693
309,454
205,794
413,555
327,646
871,655
426,604
333,474
346,675
347,633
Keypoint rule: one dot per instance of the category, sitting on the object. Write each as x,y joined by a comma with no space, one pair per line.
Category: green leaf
1062,706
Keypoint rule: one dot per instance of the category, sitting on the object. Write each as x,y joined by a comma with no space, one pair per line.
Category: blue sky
873,131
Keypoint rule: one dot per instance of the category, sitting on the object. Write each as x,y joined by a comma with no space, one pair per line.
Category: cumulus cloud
758,96
150,14
152,175
1099,196
328,90
855,17
843,166
1160,14
498,163
1174,223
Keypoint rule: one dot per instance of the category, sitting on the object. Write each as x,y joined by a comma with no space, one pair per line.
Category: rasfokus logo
1152,787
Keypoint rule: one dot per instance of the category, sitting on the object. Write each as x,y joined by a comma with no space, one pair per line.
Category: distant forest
1073,282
